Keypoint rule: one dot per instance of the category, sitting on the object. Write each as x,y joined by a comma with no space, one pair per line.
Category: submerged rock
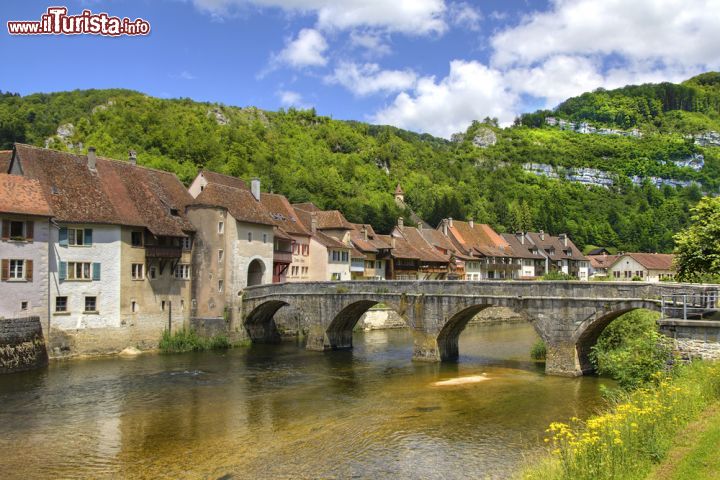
130,352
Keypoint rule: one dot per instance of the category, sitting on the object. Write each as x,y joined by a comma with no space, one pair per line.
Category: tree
698,247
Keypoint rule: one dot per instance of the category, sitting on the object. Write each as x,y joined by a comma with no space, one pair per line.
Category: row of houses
647,267
109,253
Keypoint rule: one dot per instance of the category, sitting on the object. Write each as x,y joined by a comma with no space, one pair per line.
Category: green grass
694,455
538,350
188,341
635,433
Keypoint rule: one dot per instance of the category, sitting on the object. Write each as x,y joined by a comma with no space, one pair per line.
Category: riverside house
234,248
368,243
24,248
411,257
118,234
561,254
329,256
648,267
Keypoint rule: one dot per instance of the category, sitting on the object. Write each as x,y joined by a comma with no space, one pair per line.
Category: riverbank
694,455
628,439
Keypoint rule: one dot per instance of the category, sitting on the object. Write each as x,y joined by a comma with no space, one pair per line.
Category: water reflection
278,411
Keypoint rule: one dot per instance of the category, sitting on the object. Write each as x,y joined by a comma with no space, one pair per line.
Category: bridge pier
562,359
425,347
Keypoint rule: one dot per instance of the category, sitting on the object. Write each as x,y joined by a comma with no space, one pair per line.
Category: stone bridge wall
568,316
22,346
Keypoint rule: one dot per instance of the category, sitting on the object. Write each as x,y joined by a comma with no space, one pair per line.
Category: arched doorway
256,271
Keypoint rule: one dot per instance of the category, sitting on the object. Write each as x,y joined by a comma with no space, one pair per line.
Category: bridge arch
449,335
589,331
339,332
260,324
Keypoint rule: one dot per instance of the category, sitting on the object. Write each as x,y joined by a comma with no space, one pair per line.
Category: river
279,411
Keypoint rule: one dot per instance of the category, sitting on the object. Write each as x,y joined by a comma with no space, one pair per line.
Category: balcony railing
282,257
162,252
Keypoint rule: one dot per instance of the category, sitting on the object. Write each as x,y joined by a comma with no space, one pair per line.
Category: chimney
564,239
420,225
444,226
392,241
471,222
364,232
400,222
313,222
132,156
255,188
520,236
542,235
91,158
449,222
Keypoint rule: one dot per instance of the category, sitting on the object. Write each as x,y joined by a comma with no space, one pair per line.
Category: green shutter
62,271
88,236
63,237
96,271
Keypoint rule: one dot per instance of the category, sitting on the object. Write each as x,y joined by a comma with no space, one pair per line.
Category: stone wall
693,338
22,346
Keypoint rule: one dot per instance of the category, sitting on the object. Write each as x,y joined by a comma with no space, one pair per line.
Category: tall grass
635,433
188,340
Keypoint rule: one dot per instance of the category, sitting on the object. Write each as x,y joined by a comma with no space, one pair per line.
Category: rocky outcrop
484,137
22,346
708,139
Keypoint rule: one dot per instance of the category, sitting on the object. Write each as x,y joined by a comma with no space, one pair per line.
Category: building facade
646,267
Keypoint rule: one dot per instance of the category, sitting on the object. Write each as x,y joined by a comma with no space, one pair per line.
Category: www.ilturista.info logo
57,22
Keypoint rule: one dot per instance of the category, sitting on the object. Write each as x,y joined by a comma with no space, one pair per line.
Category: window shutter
63,237
29,230
5,229
5,269
88,236
96,271
62,271
29,270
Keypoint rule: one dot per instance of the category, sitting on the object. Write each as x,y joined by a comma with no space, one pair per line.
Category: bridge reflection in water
568,316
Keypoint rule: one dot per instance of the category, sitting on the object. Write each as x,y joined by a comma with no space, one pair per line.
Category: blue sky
426,65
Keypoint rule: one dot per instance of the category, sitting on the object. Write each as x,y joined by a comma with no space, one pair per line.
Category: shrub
188,340
538,351
631,349
558,276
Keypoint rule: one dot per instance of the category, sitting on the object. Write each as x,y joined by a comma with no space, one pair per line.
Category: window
264,237
616,274
345,256
133,306
137,271
23,306
304,270
81,271
306,250
186,243
79,236
378,264
182,271
162,305
221,227
91,304
335,277
249,236
152,273
295,248
182,305
221,284
136,239
17,270
221,255
17,229
61,304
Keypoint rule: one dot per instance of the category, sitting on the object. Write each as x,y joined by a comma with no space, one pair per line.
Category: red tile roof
22,196
241,204
227,180
520,250
116,192
305,217
283,214
480,239
601,261
372,244
427,252
547,242
5,156
307,206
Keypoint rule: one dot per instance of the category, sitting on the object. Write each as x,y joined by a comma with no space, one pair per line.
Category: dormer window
17,229
174,212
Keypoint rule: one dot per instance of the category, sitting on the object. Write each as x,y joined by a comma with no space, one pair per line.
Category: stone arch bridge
568,316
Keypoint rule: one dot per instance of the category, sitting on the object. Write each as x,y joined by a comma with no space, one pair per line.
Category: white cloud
677,33
184,75
368,78
470,91
290,98
464,15
414,17
307,50
374,43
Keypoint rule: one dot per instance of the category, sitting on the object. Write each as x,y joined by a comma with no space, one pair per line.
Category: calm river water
283,412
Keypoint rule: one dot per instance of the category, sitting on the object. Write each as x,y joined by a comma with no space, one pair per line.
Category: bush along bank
632,435
188,340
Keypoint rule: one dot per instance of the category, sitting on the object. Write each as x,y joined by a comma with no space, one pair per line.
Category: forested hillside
354,167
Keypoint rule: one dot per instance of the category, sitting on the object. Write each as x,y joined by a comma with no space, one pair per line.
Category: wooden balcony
152,251
280,256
